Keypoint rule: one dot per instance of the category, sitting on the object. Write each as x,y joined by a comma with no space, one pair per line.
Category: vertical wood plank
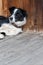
1,11
34,9
24,4
5,7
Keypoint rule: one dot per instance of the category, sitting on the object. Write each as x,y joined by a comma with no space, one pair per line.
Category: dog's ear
11,9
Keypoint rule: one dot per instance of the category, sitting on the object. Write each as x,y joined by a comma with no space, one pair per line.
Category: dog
12,25
18,16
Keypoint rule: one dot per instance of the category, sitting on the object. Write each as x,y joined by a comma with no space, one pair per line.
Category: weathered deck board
23,49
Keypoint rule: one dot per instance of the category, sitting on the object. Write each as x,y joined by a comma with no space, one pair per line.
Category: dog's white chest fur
9,29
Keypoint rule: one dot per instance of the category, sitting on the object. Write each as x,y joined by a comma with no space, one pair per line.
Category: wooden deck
23,49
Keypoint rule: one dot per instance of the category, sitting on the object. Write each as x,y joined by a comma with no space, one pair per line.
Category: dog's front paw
1,36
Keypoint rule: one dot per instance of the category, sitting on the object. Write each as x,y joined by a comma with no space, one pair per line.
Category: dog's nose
11,18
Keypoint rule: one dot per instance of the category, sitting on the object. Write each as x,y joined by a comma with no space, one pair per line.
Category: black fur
23,12
20,10
11,10
19,15
3,33
3,20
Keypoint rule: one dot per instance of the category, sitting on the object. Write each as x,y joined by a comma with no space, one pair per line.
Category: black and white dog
12,25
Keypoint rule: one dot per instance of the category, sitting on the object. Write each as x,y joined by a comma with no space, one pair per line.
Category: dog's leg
10,30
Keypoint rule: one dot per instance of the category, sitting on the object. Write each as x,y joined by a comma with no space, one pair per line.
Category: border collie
12,25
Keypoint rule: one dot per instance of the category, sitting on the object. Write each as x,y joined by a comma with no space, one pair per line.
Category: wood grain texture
24,4
5,7
34,10
1,9
23,49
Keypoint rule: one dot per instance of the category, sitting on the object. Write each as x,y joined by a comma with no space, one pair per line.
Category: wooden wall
3,7
34,9
1,11
24,4
37,14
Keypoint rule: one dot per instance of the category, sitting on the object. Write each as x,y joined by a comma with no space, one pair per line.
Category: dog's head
18,16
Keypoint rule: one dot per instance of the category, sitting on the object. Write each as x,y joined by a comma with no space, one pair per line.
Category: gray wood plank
23,49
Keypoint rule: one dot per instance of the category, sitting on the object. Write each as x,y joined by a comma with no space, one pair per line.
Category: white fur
1,36
15,11
21,23
18,23
13,16
9,29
